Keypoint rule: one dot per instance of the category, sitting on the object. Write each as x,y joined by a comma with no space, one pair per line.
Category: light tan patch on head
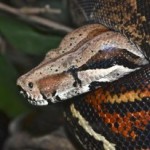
78,37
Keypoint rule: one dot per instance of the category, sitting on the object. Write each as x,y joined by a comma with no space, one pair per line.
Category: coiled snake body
113,69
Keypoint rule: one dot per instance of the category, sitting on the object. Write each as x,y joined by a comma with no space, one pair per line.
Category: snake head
86,58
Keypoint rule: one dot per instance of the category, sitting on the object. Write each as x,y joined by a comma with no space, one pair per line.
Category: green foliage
29,42
24,38
10,101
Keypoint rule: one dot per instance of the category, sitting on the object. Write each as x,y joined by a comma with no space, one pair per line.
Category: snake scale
104,73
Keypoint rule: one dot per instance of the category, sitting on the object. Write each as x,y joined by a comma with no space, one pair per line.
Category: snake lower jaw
38,102
35,100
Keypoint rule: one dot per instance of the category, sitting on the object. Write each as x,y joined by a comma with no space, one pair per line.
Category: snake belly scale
108,79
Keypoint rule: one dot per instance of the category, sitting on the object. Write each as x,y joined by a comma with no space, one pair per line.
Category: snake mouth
39,100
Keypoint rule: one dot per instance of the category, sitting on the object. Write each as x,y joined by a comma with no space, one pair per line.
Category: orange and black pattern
119,111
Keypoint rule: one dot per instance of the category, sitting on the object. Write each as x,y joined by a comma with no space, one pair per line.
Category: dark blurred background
28,29
24,42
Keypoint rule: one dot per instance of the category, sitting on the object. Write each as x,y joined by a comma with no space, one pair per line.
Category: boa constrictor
114,69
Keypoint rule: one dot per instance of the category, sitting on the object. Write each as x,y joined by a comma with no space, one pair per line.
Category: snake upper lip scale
38,103
38,100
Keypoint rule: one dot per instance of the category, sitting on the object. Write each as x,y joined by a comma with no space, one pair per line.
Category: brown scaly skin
130,17
121,110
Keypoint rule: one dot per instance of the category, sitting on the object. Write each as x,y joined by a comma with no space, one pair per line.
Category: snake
102,70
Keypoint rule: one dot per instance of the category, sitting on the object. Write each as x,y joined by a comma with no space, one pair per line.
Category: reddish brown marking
48,84
96,32
123,125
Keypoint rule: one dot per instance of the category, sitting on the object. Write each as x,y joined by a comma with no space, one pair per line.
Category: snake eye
30,84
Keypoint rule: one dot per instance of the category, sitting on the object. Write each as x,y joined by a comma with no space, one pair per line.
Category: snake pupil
30,84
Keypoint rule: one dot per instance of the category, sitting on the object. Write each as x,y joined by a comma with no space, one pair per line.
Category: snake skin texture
130,17
119,111
117,115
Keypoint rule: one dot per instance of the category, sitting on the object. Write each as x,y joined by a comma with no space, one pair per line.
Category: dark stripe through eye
110,62
108,59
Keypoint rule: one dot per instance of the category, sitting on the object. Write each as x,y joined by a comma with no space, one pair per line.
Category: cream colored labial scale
85,125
